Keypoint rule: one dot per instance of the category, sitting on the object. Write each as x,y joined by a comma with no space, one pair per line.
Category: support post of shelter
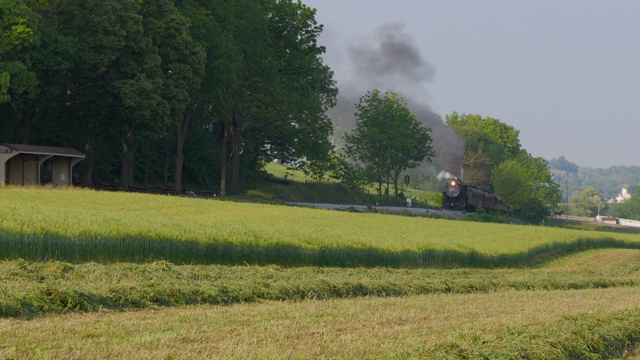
5,155
72,163
40,161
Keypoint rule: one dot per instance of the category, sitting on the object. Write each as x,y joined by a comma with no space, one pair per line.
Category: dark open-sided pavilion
37,165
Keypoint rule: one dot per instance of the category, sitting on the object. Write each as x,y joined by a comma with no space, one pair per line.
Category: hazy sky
565,73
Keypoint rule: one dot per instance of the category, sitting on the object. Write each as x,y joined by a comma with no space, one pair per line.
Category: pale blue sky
565,73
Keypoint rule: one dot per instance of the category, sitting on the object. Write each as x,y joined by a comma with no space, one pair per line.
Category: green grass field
83,225
91,274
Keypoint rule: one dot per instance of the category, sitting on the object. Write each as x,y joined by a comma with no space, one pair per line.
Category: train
462,196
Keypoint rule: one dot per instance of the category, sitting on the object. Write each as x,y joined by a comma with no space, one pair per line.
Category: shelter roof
45,150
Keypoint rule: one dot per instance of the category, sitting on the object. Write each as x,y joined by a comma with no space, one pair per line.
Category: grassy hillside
293,185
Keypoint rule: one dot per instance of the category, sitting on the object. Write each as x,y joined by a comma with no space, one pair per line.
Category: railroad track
380,208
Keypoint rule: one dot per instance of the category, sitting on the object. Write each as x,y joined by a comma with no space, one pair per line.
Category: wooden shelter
37,165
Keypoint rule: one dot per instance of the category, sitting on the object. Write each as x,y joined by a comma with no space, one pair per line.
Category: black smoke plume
390,61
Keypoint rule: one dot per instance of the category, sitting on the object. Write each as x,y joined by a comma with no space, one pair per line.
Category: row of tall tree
166,91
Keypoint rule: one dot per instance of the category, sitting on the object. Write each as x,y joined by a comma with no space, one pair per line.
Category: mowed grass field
88,274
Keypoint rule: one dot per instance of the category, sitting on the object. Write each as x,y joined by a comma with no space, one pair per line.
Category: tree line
173,92
166,91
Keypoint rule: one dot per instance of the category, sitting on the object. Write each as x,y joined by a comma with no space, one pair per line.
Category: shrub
259,195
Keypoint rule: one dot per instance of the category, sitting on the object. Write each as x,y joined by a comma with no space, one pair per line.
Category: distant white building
622,197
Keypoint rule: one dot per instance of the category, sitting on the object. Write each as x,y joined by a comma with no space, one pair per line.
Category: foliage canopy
488,142
141,85
388,139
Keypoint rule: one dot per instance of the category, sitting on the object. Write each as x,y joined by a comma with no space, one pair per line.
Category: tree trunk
394,178
130,168
237,149
147,160
87,172
165,180
126,168
124,173
386,191
223,158
177,176
182,134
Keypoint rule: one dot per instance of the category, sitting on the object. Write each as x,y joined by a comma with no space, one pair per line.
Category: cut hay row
33,289
580,324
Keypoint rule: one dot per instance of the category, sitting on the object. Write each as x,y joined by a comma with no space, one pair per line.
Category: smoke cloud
389,60
391,57
443,175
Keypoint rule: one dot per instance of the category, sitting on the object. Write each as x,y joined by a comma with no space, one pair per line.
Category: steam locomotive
460,195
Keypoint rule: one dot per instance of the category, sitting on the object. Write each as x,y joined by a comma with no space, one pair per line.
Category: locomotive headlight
453,190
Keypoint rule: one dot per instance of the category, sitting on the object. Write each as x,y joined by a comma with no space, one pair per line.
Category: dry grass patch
595,260
364,328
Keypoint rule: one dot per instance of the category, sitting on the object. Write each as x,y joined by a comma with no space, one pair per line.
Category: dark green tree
209,115
488,143
126,81
282,88
114,92
544,187
182,64
512,183
303,89
388,139
248,95
19,39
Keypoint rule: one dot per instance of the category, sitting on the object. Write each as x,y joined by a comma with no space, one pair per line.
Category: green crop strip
45,247
80,225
